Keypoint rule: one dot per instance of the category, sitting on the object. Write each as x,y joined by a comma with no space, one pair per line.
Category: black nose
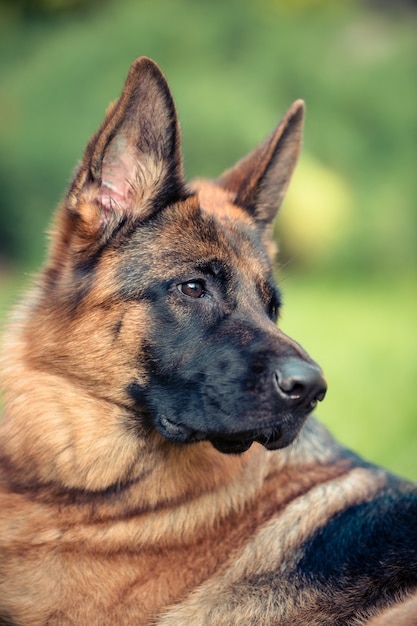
300,384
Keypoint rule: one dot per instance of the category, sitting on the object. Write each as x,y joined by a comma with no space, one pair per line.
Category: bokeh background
348,229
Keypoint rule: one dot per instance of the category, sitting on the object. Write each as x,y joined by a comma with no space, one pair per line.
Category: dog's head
166,297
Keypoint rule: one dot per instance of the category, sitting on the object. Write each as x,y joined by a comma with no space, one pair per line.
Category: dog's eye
273,310
192,289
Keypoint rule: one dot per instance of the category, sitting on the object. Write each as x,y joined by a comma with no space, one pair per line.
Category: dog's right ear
132,166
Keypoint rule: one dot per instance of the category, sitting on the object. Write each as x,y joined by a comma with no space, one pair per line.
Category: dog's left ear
260,180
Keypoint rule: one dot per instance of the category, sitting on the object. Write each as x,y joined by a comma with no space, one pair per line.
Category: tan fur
220,601
405,614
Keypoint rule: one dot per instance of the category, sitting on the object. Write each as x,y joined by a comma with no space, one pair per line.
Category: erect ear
132,166
260,180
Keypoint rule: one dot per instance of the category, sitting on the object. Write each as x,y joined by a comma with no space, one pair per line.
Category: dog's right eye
192,289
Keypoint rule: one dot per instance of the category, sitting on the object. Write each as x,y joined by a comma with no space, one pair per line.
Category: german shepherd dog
157,463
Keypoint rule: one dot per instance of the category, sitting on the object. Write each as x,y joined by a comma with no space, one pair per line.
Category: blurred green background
348,229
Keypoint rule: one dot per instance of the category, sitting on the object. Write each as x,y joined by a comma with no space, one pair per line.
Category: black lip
240,442
231,447
272,438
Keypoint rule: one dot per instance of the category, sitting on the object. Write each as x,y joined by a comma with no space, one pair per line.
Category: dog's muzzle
299,385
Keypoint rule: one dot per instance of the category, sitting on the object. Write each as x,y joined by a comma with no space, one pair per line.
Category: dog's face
213,350
166,297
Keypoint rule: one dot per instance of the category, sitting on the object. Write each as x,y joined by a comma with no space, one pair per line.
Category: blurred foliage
363,335
234,67
30,8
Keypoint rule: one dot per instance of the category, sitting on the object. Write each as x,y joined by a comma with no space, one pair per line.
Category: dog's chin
230,443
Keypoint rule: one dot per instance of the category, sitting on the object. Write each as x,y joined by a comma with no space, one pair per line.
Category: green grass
363,335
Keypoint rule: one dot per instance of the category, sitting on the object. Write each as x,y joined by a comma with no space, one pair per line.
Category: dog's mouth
272,438
240,442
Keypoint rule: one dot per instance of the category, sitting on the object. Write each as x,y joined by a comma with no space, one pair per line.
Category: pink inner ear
118,173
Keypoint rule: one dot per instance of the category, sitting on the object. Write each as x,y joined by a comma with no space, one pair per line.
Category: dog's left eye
273,310
192,289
